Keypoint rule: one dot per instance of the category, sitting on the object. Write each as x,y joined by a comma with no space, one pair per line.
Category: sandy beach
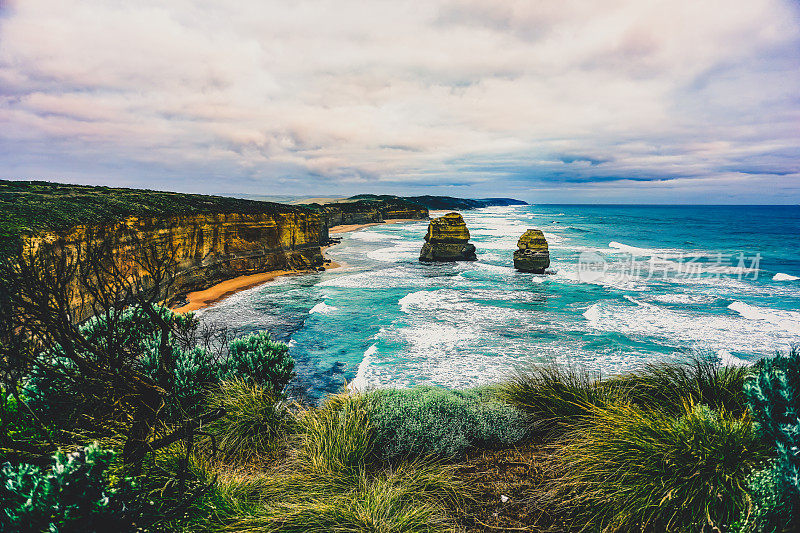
345,228
202,299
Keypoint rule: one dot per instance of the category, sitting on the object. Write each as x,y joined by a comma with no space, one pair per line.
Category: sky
549,101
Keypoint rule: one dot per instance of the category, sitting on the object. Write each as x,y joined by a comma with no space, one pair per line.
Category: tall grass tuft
337,438
700,379
632,468
255,426
555,398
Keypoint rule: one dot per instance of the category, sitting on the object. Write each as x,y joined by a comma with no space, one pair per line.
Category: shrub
72,495
652,470
774,394
435,421
191,372
256,424
771,511
261,359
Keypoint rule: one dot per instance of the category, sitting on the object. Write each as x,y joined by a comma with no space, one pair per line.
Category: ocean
627,285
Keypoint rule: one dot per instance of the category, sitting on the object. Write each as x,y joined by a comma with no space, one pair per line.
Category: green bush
72,495
774,394
771,503
656,471
261,359
436,421
190,374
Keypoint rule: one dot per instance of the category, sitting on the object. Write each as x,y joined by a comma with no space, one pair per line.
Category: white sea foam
786,320
401,251
728,359
761,331
379,279
635,250
442,298
780,276
663,252
368,236
593,313
323,309
499,269
360,383
683,298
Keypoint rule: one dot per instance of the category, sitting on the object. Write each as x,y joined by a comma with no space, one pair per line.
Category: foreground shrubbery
188,372
557,399
774,393
669,448
333,483
72,495
435,421
664,472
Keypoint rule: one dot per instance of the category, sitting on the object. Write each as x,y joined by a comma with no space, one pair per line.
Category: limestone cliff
213,247
533,254
447,240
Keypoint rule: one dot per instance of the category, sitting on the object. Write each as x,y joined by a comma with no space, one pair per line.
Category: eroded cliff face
210,248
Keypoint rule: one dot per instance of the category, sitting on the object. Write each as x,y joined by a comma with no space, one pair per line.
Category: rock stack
533,254
447,240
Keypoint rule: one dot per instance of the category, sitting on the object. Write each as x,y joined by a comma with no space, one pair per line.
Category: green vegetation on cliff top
27,206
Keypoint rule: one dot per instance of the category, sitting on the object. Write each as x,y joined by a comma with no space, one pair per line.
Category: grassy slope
39,205
31,206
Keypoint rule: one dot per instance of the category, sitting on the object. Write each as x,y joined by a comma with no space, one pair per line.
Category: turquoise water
673,282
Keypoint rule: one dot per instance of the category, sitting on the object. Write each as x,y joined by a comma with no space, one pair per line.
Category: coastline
346,228
201,299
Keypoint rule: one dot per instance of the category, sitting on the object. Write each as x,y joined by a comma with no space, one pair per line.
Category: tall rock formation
447,240
533,254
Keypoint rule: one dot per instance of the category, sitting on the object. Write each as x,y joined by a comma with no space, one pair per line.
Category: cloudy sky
547,100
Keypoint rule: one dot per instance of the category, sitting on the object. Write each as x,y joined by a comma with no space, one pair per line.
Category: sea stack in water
533,254
447,240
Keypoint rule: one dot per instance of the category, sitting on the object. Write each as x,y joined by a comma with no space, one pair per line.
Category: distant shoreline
346,228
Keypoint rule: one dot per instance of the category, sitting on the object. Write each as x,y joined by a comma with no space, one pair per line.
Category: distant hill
444,202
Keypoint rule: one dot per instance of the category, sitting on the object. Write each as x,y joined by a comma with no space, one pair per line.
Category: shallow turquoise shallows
627,285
